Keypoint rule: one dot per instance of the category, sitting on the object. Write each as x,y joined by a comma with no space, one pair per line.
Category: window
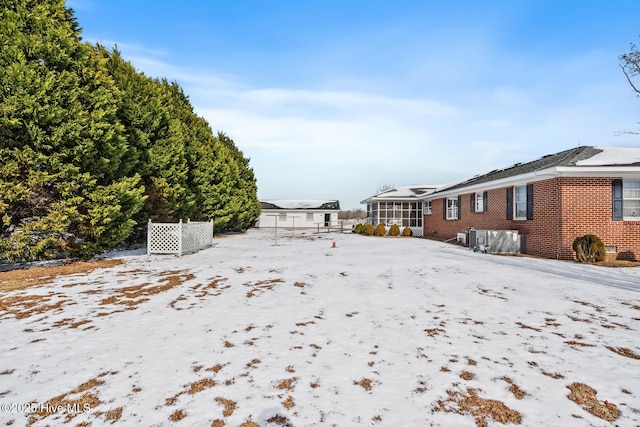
427,208
309,217
626,200
479,202
282,217
452,208
520,201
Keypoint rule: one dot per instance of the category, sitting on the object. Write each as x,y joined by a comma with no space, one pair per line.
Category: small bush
589,248
407,232
367,230
380,230
358,228
394,230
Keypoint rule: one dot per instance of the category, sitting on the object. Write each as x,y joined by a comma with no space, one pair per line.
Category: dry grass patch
514,389
467,376
21,279
261,286
624,352
365,383
178,415
280,420
585,396
523,326
554,375
191,388
481,409
288,403
25,306
578,343
82,398
229,406
131,296
249,423
287,384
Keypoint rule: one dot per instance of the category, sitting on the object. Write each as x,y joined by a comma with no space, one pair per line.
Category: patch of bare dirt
585,396
21,279
481,409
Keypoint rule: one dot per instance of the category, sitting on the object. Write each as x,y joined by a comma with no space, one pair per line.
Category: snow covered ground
373,332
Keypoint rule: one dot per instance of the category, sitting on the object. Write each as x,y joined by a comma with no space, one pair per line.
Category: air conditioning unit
496,241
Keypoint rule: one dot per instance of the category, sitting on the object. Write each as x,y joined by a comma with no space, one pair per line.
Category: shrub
358,228
407,232
394,230
589,248
367,230
380,230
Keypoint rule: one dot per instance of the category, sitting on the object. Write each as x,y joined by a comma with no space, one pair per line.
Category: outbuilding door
327,219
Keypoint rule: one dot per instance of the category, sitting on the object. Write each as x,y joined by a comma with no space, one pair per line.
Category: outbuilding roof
300,204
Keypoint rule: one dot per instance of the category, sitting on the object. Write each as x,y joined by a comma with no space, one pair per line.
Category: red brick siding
585,209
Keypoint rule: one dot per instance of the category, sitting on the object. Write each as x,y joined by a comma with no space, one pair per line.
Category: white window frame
282,216
479,203
309,217
452,208
520,199
427,207
630,186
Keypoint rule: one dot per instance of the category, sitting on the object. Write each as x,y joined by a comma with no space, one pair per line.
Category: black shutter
459,207
616,199
472,204
485,202
444,210
510,203
529,202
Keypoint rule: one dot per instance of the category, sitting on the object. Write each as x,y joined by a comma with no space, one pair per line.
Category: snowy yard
374,332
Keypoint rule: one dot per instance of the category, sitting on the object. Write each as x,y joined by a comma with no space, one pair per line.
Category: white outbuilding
317,214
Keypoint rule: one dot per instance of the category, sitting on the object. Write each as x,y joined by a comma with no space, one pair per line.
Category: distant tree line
91,148
352,214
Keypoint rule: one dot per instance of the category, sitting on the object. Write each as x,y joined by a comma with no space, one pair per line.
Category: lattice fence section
181,238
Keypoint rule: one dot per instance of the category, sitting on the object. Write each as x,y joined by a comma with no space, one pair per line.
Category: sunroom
399,205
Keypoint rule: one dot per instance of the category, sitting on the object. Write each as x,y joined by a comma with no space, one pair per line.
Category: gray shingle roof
563,158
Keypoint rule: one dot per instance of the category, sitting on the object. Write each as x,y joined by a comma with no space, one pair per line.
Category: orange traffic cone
333,245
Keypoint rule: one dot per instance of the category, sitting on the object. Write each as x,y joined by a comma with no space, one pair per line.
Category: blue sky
333,99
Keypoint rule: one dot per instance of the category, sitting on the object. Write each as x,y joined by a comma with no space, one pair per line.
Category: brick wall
585,209
586,206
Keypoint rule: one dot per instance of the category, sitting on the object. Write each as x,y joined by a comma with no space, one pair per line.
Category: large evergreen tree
63,182
90,147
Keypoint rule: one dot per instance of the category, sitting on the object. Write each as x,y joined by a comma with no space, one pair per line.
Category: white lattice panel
181,238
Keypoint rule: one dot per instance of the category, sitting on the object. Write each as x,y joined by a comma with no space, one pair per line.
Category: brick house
551,201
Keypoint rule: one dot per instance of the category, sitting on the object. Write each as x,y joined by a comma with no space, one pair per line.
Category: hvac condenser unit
496,241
